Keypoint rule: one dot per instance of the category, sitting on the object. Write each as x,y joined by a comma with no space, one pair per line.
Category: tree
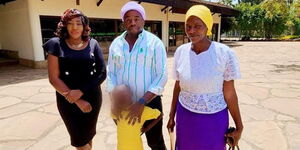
252,2
266,19
275,18
294,17
250,20
227,24
226,2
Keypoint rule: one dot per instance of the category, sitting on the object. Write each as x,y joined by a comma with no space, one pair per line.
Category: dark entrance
103,30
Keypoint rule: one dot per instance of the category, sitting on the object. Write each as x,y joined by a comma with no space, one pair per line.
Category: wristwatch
142,101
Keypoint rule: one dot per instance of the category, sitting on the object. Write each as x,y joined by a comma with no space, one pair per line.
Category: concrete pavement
269,94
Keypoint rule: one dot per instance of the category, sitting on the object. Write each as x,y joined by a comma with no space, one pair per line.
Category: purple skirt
196,131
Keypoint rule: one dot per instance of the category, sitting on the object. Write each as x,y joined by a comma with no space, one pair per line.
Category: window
103,30
154,27
177,34
48,27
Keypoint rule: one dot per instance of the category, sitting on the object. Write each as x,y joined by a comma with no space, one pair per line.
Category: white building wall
15,29
108,9
20,21
217,20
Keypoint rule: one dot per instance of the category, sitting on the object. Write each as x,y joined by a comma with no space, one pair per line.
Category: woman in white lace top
204,89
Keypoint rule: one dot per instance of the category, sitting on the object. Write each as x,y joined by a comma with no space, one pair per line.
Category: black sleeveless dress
84,70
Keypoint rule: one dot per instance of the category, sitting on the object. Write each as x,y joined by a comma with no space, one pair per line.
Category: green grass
289,37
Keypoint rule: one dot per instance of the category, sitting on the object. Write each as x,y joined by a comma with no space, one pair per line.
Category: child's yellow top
129,137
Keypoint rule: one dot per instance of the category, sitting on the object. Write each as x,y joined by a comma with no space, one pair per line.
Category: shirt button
67,73
92,72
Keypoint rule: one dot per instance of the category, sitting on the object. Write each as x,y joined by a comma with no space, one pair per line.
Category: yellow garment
129,137
203,13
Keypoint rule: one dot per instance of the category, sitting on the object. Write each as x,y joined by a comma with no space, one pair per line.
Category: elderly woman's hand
235,135
171,124
74,95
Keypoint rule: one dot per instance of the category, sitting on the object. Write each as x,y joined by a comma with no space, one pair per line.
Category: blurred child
129,136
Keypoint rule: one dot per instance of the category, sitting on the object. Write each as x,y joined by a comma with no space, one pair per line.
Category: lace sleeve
232,69
175,73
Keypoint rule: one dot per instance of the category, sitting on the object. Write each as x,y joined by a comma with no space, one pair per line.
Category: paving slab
265,135
268,95
18,109
6,101
277,104
28,126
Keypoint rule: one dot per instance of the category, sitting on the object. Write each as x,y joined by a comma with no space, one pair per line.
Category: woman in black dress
76,70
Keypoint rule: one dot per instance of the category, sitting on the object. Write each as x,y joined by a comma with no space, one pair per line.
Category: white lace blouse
201,76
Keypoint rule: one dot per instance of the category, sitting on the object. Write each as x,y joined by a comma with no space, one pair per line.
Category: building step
8,61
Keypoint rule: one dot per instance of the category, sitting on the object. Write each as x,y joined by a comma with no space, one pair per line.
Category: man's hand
74,95
135,113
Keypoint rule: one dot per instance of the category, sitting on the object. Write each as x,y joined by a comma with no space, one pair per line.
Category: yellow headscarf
203,13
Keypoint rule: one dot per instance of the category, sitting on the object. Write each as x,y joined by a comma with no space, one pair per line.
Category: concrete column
219,29
36,34
165,29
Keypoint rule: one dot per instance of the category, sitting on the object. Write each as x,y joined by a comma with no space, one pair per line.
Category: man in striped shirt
138,58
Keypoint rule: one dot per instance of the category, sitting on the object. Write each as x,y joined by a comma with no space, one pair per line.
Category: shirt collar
139,36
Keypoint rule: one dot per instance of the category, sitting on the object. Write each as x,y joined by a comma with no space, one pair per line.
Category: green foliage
250,20
289,37
294,17
253,2
104,34
227,24
268,18
297,27
275,17
226,2
296,8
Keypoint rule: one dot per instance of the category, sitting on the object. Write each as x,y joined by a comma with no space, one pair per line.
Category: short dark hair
68,15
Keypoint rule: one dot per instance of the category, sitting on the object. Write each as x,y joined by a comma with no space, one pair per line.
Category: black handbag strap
233,148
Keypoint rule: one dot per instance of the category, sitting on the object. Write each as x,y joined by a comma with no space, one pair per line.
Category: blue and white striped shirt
143,69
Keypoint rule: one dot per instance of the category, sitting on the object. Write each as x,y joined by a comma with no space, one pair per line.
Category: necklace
76,45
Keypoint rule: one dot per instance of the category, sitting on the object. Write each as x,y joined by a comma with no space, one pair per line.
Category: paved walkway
269,95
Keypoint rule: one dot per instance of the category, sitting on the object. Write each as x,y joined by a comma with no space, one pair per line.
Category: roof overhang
3,2
181,6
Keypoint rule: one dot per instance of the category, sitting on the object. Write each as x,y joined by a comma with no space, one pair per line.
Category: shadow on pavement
13,74
232,43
